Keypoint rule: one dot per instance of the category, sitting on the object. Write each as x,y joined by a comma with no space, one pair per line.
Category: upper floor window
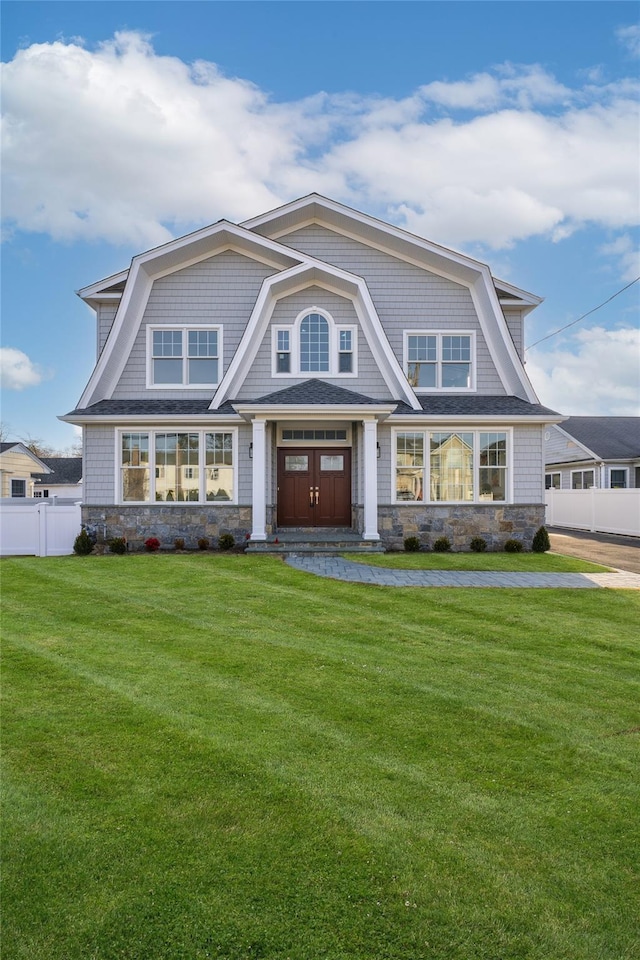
440,361
313,345
184,356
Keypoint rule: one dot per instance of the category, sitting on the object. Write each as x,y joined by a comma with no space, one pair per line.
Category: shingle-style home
586,452
17,466
310,368
64,481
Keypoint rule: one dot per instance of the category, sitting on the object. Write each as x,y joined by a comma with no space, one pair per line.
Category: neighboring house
64,481
17,464
586,452
312,367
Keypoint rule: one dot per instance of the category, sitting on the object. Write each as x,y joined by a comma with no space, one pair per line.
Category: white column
259,491
370,431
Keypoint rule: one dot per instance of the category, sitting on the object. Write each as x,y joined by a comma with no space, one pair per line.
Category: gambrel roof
264,239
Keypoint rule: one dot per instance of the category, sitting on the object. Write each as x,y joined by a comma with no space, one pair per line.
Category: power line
587,314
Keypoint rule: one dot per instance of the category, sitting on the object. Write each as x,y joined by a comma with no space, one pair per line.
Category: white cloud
598,376
627,254
17,371
122,144
629,37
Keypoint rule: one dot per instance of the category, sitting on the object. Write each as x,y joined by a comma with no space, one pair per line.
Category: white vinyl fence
596,510
37,528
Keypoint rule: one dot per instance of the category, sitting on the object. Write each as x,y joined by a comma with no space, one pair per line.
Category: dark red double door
314,488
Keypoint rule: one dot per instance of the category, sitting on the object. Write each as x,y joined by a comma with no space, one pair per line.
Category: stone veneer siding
460,522
167,523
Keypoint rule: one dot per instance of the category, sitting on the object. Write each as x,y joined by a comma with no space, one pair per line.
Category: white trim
439,334
614,466
152,432
183,327
259,481
370,479
457,427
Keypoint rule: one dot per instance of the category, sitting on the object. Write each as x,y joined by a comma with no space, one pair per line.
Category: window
314,435
552,481
18,487
40,493
618,478
314,345
184,357
440,361
177,467
461,466
582,479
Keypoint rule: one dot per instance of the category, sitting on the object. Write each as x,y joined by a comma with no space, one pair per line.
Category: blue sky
507,130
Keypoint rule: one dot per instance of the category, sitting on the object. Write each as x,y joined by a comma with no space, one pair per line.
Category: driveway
623,553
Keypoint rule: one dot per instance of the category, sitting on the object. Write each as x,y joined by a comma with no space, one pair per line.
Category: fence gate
37,528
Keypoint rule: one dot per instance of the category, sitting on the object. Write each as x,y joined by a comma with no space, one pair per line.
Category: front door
314,488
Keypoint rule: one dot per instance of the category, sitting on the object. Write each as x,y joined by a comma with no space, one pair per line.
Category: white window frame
19,496
624,470
184,329
426,469
335,329
585,470
152,432
554,473
439,334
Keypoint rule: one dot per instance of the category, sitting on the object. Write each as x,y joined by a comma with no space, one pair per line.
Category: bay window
461,466
192,466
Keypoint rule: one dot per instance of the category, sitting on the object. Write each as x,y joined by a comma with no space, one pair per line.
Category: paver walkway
338,568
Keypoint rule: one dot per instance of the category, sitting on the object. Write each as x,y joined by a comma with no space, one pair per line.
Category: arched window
314,344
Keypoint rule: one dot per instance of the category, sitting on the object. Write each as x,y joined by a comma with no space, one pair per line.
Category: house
311,367
586,452
17,464
64,481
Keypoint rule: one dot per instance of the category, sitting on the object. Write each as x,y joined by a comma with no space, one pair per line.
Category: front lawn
220,756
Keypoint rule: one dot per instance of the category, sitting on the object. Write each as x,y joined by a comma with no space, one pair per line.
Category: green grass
523,562
219,756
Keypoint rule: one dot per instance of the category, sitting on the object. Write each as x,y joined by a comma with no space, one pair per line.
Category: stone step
312,541
312,549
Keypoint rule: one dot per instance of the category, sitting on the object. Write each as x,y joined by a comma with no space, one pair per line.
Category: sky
506,130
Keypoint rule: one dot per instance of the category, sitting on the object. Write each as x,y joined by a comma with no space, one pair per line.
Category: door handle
311,496
317,495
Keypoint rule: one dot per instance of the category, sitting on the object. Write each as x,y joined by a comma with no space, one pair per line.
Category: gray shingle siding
406,297
221,290
99,465
105,318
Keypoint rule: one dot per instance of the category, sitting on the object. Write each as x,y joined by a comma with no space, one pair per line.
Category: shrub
226,541
118,545
513,546
541,542
178,543
203,543
84,543
442,545
478,544
152,544
411,544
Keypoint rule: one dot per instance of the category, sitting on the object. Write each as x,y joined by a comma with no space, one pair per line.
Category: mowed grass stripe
397,778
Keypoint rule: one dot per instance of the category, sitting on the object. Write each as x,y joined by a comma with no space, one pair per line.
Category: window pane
203,343
451,466
314,344
331,463
203,371
18,488
283,341
618,479
345,363
422,374
456,348
284,363
409,466
345,340
421,348
167,371
177,473
167,343
219,470
493,481
296,463
456,375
